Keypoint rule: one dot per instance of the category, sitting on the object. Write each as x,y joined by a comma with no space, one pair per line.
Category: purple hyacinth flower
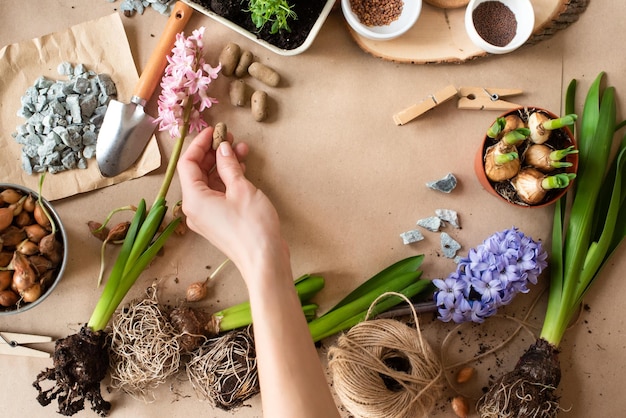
490,276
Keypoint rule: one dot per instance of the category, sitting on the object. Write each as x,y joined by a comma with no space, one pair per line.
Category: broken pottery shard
446,184
432,223
448,215
449,246
409,237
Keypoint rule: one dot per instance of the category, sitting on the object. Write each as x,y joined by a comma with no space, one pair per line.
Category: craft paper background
346,181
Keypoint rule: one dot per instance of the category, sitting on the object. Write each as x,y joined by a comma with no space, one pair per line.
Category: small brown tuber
229,58
264,74
238,93
460,406
259,105
245,60
220,133
465,374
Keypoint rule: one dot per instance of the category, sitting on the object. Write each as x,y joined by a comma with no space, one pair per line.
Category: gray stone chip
449,246
445,185
409,237
448,215
62,119
432,223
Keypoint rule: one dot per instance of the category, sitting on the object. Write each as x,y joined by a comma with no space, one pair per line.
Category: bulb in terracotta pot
505,124
502,159
541,125
546,159
531,185
512,123
501,167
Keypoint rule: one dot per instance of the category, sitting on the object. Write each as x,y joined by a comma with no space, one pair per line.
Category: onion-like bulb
24,276
546,159
198,290
501,162
503,125
541,125
32,293
532,185
516,136
512,123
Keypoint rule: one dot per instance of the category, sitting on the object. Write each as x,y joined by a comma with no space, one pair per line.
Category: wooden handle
151,75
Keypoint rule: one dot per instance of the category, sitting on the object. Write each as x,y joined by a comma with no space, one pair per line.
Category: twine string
361,370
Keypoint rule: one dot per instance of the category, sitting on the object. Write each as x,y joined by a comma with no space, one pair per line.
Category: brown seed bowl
559,139
58,270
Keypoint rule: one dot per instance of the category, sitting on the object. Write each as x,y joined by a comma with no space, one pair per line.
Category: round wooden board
439,35
447,4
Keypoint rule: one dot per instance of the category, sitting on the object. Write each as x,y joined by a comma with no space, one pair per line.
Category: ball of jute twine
359,363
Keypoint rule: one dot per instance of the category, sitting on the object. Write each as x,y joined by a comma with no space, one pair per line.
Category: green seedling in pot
276,12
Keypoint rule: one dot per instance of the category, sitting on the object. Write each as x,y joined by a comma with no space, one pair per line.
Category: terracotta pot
559,139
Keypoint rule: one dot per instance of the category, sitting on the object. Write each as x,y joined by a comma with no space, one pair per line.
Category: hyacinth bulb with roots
588,227
81,360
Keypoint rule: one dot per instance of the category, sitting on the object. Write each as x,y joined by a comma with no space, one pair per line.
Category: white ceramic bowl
524,15
410,13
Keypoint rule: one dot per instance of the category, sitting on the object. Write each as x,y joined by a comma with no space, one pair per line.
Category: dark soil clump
307,11
528,390
81,362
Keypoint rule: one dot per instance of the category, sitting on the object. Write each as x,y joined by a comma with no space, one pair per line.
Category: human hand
225,208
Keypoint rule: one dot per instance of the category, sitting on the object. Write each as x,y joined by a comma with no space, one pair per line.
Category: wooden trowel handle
151,75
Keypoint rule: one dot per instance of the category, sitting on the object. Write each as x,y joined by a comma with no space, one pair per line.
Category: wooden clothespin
11,344
418,109
480,98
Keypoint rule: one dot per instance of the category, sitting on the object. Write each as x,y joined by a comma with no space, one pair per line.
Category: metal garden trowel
126,128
